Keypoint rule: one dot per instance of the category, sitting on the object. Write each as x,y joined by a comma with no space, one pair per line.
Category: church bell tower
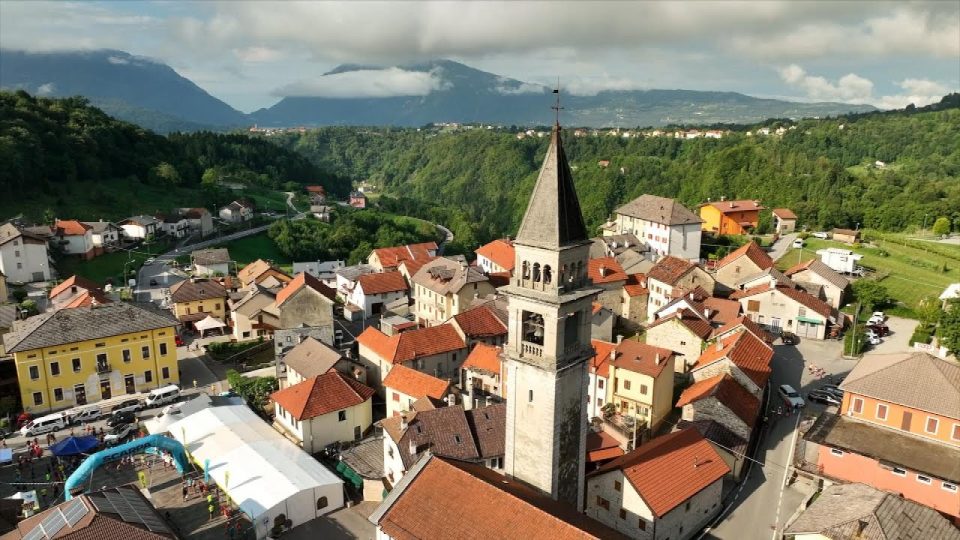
550,304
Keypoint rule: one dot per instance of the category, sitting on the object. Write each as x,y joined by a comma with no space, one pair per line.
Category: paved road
782,246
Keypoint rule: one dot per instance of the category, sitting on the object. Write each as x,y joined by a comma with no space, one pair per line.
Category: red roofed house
70,289
384,259
481,324
496,256
607,274
740,355
641,382
323,410
778,307
305,301
375,291
404,386
437,350
784,221
730,217
634,298
721,399
668,488
74,238
748,260
685,332
672,275
482,376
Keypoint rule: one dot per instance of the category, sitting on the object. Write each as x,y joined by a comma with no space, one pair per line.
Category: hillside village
555,383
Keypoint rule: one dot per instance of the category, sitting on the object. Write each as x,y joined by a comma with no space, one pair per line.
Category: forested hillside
477,181
67,157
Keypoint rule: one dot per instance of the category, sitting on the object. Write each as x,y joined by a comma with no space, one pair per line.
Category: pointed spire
553,218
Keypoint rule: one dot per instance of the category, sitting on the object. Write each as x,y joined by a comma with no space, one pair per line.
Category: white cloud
117,60
46,89
852,88
258,54
366,83
510,87
591,86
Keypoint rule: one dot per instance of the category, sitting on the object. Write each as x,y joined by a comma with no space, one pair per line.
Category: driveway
782,246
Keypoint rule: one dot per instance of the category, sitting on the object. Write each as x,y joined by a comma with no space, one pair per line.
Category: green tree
167,173
30,306
210,177
19,294
929,311
941,226
870,293
949,331
254,390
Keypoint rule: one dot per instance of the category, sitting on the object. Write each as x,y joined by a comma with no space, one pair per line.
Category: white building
210,262
236,212
325,271
23,256
665,225
375,291
74,237
347,277
139,227
840,260
104,233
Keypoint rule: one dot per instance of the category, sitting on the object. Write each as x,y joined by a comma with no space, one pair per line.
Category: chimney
706,313
613,352
696,462
413,447
691,296
603,271
723,198
451,400
403,423
487,401
732,205
619,339
657,359
719,346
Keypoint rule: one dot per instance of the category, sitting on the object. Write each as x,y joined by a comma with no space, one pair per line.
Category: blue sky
250,54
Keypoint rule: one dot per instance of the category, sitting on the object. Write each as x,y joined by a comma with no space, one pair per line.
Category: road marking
786,474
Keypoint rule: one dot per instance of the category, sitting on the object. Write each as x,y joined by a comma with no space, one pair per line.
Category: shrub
19,294
921,334
854,341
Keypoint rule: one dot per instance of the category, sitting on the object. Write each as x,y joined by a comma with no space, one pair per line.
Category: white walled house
840,260
482,376
443,288
139,227
404,386
74,238
236,212
833,286
210,262
323,410
783,308
663,224
373,292
672,277
23,256
669,488
103,233
347,278
598,374
437,350
496,256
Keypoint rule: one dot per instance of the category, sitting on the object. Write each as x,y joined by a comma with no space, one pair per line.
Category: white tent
263,473
208,323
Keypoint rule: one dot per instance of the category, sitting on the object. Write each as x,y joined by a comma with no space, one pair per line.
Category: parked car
798,243
877,318
119,434
880,329
123,417
173,408
338,336
149,261
178,341
790,396
821,234
820,396
833,389
153,283
789,338
127,405
874,340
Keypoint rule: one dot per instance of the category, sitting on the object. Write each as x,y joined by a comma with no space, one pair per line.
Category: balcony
529,349
103,367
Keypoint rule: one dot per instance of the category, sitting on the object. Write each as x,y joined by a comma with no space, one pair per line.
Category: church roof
553,218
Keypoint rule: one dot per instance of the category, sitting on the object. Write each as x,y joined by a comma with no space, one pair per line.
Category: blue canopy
72,446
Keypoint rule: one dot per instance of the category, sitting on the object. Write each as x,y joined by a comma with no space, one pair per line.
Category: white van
44,424
82,415
160,396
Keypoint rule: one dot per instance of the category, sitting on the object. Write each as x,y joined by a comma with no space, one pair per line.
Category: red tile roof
480,322
745,351
71,227
412,344
722,310
415,383
499,251
784,213
728,392
499,279
801,297
316,189
414,266
600,364
670,269
601,446
393,256
88,298
751,251
642,358
484,357
670,469
451,499
380,283
612,271
636,285
747,324
303,279
258,270
727,207
79,282
332,391
690,320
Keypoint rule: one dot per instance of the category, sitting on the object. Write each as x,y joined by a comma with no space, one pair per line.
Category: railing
103,367
531,349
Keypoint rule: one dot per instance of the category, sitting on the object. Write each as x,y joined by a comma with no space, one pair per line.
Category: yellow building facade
642,382
214,307
84,355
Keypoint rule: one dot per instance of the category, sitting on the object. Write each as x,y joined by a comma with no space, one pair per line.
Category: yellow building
730,217
83,355
194,299
642,377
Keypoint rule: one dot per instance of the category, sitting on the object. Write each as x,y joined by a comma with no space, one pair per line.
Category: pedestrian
19,475
185,492
210,509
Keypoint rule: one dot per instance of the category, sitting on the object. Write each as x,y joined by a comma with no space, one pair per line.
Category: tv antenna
556,106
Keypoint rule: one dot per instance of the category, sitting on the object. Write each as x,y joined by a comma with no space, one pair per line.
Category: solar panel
74,511
49,526
130,508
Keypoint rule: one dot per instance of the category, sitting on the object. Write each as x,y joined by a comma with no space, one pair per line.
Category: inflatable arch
136,446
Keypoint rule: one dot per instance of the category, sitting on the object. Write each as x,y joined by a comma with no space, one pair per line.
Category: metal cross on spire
556,107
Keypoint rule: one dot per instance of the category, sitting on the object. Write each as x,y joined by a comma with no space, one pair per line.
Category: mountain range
152,94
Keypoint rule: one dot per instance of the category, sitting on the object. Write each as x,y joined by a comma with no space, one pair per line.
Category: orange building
898,429
730,217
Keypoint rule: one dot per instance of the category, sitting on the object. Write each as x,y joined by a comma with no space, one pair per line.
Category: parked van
44,424
82,415
160,396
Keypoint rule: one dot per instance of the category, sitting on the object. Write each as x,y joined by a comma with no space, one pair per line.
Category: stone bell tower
550,302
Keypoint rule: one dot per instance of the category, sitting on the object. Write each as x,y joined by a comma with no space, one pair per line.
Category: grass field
108,265
912,274
258,246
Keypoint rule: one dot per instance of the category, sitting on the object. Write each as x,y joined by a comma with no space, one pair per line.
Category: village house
347,278
773,274
140,227
669,488
174,225
317,194
730,217
897,429
840,260
814,273
357,199
236,212
197,298
254,314
685,332
483,323
616,245
69,290
598,377
199,220
74,238
210,262
607,274
307,359
443,288
324,410
846,236
325,271
473,436
784,221
497,256
264,274
663,224
436,350
404,386
601,322
718,311
305,301
482,377
742,263
634,298
721,399
321,212
373,292
670,278
742,355
105,234
23,255
387,259
780,308
641,379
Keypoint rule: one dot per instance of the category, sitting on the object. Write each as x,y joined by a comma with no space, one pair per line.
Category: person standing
185,491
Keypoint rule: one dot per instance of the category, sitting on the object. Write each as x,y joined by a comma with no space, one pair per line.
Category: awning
809,320
209,324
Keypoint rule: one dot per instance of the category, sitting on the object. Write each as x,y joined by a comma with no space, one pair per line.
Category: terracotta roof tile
784,213
415,383
601,446
71,227
728,392
412,344
745,351
801,297
722,310
414,266
303,279
612,271
747,324
727,207
670,469
79,282
600,364
380,283
484,357
322,394
499,251
642,358
751,251
697,325
480,322
88,298
253,272
670,269
393,256
636,285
